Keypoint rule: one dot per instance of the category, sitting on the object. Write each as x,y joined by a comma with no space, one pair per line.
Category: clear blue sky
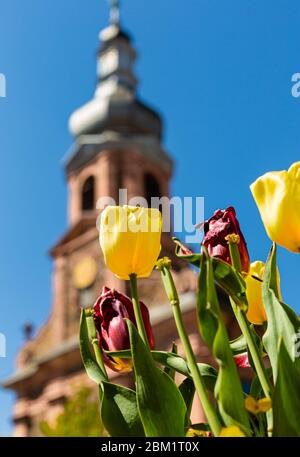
219,71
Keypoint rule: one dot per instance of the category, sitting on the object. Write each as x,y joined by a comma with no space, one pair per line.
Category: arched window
88,194
151,188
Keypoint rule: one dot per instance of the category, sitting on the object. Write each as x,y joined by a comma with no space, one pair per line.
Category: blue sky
219,71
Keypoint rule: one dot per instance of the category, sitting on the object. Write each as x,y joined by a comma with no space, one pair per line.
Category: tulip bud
216,230
256,313
110,310
130,239
277,195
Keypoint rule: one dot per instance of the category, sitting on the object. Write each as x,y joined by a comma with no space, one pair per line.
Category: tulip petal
130,240
256,313
242,360
110,311
277,195
232,432
216,230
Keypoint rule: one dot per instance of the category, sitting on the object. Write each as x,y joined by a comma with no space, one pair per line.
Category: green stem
245,327
235,256
254,351
208,409
94,340
137,309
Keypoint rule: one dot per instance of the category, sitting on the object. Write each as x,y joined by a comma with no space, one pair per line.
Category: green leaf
168,370
293,317
91,366
206,313
160,403
119,411
201,426
239,345
209,375
256,390
176,362
286,398
187,390
228,389
183,253
168,359
230,280
173,361
282,323
259,345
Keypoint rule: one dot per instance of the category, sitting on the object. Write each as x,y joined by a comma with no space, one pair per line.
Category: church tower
117,145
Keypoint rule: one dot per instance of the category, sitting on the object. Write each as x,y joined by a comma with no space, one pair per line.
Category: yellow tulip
192,433
256,313
251,405
277,195
258,406
264,404
130,239
231,431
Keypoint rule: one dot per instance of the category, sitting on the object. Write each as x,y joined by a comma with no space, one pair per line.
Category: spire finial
114,12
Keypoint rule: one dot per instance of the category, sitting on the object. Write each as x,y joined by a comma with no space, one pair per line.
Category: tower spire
114,12
116,106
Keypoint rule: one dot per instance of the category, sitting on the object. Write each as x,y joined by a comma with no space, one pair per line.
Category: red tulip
216,229
110,310
242,360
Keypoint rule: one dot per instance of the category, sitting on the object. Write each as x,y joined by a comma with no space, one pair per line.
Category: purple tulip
216,229
110,310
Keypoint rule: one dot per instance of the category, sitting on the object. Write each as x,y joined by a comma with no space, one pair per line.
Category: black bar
136,446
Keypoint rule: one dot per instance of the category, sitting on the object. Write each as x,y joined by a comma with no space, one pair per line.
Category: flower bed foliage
117,332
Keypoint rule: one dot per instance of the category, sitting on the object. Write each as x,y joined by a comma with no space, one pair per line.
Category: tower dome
115,118
115,105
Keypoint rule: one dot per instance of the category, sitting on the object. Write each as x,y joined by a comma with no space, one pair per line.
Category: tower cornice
87,147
